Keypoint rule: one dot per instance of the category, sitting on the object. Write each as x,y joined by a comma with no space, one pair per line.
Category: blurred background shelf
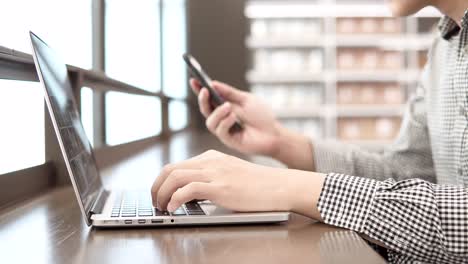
335,70
406,75
409,75
399,42
321,9
256,77
304,112
341,111
370,110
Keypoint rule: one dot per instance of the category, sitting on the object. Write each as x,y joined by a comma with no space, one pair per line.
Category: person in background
412,199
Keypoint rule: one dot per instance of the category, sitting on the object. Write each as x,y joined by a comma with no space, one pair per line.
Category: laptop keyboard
133,204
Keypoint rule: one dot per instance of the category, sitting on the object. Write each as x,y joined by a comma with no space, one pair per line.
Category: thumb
228,92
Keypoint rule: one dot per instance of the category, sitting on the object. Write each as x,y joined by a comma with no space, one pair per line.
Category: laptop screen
76,149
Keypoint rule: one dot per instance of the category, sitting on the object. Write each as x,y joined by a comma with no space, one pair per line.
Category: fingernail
171,208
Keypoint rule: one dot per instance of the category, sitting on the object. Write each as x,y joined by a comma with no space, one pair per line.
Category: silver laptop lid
76,149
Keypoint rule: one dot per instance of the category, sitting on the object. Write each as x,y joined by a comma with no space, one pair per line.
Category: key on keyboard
193,208
132,204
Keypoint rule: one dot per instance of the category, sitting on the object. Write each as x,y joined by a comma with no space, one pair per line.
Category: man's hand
262,133
237,185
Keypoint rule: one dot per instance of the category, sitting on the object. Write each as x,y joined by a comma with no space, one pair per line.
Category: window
133,42
131,117
22,124
174,45
178,115
134,36
174,68
87,112
64,25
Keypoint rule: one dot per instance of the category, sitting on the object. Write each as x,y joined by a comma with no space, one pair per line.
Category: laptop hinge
100,202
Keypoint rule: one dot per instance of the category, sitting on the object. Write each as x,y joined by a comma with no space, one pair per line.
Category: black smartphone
215,98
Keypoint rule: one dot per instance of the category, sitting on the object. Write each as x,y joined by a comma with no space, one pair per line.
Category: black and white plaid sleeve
409,156
417,221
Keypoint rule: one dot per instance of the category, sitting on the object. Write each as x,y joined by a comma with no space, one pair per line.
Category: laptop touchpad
212,209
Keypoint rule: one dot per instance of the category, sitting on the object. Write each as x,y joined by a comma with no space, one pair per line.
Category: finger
197,162
193,163
222,131
178,179
217,116
191,191
229,93
195,85
204,102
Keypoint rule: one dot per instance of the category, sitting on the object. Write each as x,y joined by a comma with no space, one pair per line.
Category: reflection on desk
50,229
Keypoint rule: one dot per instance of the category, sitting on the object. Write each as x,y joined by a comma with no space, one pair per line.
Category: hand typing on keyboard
237,185
132,204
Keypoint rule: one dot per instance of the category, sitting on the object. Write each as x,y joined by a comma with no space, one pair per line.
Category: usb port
157,221
128,222
142,221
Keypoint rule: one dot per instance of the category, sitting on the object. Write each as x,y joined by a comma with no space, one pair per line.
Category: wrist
304,192
293,149
278,140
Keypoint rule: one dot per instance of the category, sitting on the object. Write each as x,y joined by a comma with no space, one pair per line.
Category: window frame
19,66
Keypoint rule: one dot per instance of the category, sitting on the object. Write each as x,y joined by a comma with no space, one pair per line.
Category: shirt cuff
345,201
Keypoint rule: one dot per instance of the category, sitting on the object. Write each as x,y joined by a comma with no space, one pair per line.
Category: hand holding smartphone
215,98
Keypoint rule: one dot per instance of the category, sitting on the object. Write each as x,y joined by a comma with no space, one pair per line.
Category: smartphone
215,98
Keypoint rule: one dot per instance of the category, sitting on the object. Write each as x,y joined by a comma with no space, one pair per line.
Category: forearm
304,192
294,150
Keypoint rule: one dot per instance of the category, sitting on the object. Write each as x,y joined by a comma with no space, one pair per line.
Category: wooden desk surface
51,229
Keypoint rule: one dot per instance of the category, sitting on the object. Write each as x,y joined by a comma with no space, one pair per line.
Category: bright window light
64,25
22,142
174,45
178,115
131,117
133,42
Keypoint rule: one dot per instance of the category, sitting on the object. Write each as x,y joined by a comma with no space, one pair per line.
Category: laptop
107,208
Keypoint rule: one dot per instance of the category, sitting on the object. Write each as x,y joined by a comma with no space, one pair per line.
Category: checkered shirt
411,197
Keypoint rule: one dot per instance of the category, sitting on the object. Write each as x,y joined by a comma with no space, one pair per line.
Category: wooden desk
50,228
